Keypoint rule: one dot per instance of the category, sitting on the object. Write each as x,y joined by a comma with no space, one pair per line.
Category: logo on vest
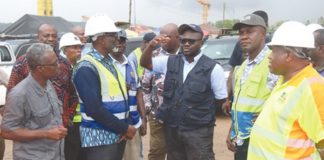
112,97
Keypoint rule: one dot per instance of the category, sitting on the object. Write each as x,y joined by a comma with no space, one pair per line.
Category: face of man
172,40
278,60
108,41
251,38
80,33
49,65
315,52
191,43
48,35
73,53
121,46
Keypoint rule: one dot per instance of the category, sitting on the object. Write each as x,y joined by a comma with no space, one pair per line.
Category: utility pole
224,5
130,12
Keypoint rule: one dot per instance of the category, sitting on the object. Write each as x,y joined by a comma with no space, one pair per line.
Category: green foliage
321,21
227,23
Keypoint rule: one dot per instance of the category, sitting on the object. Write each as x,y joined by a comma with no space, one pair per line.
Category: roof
28,25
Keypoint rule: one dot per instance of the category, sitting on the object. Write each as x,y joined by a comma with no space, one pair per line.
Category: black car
220,49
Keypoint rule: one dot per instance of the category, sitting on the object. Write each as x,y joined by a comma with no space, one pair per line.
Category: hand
143,127
160,39
226,107
230,144
56,133
131,131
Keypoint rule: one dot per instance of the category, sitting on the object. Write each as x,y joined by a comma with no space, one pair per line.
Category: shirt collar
260,56
196,58
117,62
95,54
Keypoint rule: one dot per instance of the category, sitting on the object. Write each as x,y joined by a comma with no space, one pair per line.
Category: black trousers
190,144
241,151
72,144
107,152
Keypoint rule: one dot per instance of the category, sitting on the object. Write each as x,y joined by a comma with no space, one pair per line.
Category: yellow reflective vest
292,120
249,97
140,69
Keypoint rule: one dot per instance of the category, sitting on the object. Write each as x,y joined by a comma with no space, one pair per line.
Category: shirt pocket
253,88
42,116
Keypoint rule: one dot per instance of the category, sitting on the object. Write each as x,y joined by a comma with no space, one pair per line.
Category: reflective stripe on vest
249,97
112,98
77,117
140,69
283,108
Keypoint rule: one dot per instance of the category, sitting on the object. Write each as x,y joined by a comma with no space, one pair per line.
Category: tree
226,23
321,21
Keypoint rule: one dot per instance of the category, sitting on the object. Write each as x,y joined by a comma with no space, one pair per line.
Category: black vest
191,104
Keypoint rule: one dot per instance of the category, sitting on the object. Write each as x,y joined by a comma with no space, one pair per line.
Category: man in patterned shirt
153,89
62,82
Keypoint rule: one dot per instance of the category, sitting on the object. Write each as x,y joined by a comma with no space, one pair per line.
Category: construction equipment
45,7
205,4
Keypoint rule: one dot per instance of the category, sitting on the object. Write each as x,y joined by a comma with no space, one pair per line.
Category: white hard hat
313,27
69,39
99,24
292,34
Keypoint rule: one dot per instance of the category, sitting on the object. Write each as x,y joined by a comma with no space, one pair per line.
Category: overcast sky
159,12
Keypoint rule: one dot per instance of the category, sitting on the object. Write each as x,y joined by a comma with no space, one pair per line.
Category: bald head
170,30
79,31
47,34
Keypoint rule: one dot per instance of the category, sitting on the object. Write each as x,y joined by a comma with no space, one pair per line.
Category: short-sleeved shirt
292,119
33,107
218,80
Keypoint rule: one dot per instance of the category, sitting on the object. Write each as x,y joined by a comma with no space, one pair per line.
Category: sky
156,13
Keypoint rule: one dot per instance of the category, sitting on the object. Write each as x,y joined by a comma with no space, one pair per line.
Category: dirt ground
220,149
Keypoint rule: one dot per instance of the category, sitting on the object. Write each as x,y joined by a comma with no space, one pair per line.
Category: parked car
220,49
7,60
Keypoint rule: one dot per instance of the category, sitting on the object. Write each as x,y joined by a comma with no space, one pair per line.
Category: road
220,149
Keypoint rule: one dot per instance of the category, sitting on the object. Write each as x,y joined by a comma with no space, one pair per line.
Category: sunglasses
189,41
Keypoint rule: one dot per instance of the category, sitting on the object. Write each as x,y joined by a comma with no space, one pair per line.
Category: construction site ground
220,149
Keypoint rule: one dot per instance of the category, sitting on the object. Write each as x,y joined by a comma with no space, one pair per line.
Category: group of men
62,105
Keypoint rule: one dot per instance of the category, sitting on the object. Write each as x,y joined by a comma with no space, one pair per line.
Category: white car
7,60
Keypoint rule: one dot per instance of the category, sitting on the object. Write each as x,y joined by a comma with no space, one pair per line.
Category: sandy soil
220,149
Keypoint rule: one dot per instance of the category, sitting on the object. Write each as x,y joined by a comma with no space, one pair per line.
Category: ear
289,57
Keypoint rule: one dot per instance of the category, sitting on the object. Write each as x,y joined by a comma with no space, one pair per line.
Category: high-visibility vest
140,69
77,117
112,97
249,97
291,122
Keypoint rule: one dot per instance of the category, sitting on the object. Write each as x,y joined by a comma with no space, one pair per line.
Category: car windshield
219,49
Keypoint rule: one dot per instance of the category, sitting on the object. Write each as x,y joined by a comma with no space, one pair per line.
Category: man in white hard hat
103,95
291,124
70,46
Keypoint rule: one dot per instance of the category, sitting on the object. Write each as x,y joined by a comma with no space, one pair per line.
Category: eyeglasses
188,40
54,64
